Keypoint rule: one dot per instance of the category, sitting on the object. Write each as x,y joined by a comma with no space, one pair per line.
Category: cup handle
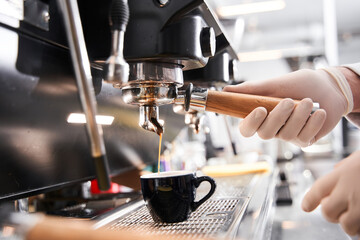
197,182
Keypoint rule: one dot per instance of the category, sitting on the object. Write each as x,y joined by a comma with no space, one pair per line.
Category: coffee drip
160,140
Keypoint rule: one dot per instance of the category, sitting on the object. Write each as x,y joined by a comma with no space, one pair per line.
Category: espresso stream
160,139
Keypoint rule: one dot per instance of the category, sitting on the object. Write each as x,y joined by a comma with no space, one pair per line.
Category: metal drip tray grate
219,217
212,218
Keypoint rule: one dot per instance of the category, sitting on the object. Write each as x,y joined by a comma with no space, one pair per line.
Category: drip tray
219,217
213,218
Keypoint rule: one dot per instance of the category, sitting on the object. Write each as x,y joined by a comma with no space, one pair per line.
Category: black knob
208,42
119,15
102,172
282,176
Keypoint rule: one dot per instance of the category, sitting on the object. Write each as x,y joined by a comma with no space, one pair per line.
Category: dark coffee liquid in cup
170,196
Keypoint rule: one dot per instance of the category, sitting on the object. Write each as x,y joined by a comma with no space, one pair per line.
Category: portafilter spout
152,84
149,119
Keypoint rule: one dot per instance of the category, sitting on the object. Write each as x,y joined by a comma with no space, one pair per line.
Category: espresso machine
112,60
67,65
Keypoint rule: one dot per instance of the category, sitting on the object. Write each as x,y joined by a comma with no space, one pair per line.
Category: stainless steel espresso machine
79,77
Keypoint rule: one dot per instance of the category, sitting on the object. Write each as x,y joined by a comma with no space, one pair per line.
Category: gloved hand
327,87
339,195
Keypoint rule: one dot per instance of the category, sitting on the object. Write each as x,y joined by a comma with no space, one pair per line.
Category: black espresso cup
170,196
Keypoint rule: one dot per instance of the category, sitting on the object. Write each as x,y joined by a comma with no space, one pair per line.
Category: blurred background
275,37
282,35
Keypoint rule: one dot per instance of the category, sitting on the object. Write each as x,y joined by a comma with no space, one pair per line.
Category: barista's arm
330,87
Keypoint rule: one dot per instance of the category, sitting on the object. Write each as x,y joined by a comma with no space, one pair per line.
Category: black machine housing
39,150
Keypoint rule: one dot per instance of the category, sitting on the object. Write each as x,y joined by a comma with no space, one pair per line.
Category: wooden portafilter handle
229,103
238,104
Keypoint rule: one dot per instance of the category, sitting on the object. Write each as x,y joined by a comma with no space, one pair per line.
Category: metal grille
213,217
229,187
218,216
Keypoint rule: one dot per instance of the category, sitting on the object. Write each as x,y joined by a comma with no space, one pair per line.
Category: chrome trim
149,93
180,99
37,14
198,99
22,205
118,214
157,72
232,232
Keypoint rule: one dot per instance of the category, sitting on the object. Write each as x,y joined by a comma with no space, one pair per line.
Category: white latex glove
295,124
339,195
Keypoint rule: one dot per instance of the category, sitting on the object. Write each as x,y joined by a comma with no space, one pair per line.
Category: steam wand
81,64
116,69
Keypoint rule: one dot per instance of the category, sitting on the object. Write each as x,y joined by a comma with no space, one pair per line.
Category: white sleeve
354,118
355,67
343,85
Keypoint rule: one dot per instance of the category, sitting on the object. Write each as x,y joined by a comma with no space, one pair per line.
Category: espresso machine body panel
40,150
38,147
169,33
